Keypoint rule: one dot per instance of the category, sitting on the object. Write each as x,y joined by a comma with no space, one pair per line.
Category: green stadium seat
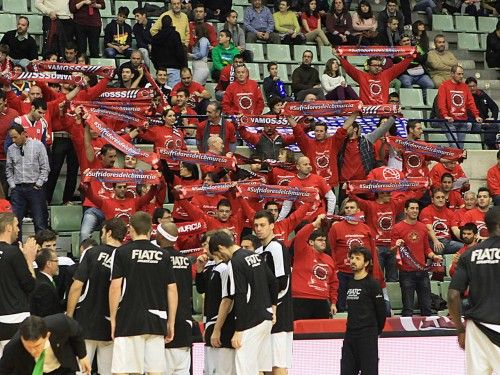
468,64
357,60
412,98
325,53
103,61
435,287
241,12
299,50
442,22
486,24
469,42
476,138
444,286
413,114
254,71
210,86
282,72
66,222
448,258
278,53
437,138
483,38
258,51
242,3
7,22
350,81
106,12
15,6
394,291
465,24
431,95
35,24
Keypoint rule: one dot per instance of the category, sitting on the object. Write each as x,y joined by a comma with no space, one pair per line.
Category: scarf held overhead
434,152
135,176
388,186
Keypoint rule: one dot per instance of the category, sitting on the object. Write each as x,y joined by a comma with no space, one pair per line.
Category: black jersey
182,269
365,307
479,270
212,281
16,282
277,258
146,271
92,310
253,288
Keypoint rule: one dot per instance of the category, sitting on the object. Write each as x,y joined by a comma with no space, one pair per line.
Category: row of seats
467,24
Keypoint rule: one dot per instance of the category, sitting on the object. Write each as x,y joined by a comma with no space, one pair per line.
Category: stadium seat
465,24
66,222
299,50
357,60
412,98
278,53
468,64
210,86
242,3
350,81
7,22
325,53
477,142
483,38
254,71
444,286
258,51
35,24
131,5
241,13
394,291
469,42
412,114
486,24
15,6
448,258
106,12
436,138
103,61
442,22
431,95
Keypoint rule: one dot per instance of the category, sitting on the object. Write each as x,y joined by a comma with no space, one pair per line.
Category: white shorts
482,356
178,361
219,361
104,354
254,355
282,343
139,354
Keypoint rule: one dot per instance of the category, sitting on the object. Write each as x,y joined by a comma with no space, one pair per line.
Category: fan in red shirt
227,76
441,223
216,125
451,167
381,215
322,150
314,276
157,200
454,101
208,202
468,235
305,178
470,203
412,235
493,181
374,84
454,198
344,236
181,108
198,95
281,176
243,96
476,215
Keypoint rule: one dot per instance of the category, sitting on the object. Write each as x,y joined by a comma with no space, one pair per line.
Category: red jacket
245,98
314,274
374,88
455,100
493,180
322,154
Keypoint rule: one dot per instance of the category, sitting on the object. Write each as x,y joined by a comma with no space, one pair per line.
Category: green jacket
222,56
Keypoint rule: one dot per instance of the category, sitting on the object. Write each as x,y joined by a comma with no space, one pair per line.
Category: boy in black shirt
143,285
92,311
178,351
365,319
253,289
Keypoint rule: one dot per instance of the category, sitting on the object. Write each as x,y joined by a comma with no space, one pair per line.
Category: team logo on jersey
284,181
414,161
245,101
320,271
385,222
353,293
391,174
457,98
353,243
147,256
482,231
375,88
253,260
322,161
440,228
413,237
105,259
172,144
179,262
486,256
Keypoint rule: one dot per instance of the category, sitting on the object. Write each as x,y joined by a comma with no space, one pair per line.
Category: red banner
388,186
127,148
48,77
135,176
375,51
262,120
104,71
154,85
278,192
434,152
241,159
359,217
381,109
127,95
405,256
190,228
131,119
191,191
122,107
197,158
322,108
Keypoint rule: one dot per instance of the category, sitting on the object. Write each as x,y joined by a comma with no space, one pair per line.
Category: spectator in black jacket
118,35
390,36
141,32
44,299
493,48
391,10
305,79
168,51
273,85
488,110
23,47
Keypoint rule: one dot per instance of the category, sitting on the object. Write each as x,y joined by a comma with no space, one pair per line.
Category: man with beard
468,235
477,215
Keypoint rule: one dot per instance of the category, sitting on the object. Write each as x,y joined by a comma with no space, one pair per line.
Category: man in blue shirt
259,24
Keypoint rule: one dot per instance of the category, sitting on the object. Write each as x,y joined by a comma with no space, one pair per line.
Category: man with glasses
45,300
374,84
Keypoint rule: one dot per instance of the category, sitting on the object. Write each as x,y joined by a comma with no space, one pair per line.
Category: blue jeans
342,292
387,260
457,139
112,53
450,246
419,282
173,76
427,6
91,221
25,196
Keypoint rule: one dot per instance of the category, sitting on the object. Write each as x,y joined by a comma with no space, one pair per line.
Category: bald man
178,352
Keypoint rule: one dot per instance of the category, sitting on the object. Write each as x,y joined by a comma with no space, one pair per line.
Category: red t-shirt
454,200
416,239
476,216
493,180
441,219
192,88
5,206
455,100
230,134
279,176
312,22
439,169
243,98
352,167
312,180
314,274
